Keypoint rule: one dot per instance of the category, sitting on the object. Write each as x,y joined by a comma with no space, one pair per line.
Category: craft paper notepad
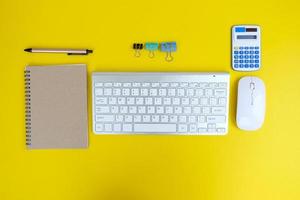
56,106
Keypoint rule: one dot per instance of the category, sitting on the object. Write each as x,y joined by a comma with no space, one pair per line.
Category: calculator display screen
246,37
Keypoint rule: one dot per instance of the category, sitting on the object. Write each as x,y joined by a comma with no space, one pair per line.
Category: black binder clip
138,47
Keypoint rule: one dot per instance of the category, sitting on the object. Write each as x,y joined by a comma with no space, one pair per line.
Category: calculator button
246,48
236,65
256,61
251,61
241,57
241,61
257,47
246,56
246,61
246,65
251,56
251,52
236,61
241,65
251,65
256,56
256,52
256,65
246,52
251,47
241,48
241,52
236,52
236,57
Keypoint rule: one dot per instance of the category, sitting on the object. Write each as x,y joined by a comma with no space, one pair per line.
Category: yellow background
264,164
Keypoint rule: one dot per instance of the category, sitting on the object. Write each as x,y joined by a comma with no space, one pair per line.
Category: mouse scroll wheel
252,86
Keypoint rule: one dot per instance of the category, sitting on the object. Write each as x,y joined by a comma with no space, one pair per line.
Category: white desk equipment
160,103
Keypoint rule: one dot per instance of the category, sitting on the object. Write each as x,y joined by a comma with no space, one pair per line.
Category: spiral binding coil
27,107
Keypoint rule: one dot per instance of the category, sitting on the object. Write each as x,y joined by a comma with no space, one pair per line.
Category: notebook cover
56,106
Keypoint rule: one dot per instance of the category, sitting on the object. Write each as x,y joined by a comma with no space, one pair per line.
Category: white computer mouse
251,103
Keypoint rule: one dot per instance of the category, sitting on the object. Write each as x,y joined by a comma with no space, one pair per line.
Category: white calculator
246,48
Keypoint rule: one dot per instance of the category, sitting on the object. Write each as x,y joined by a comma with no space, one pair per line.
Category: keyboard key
166,101
98,84
182,128
193,128
203,101
178,110
192,119
116,92
102,109
218,110
164,118
173,119
144,92
127,127
146,118
171,92
114,109
112,100
101,101
139,101
169,110
194,101
105,118
108,127
153,92
99,127
150,128
215,119
124,109
155,118
130,100
99,91
182,119
220,92
132,109
107,92
137,118
126,84
162,92
128,118
119,118
185,101
117,127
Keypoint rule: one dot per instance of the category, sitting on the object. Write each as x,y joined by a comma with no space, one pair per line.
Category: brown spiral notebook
56,106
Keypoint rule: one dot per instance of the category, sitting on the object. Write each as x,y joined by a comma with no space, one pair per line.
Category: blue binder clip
168,47
151,47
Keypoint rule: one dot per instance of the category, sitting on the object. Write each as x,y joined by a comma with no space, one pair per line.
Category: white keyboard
160,103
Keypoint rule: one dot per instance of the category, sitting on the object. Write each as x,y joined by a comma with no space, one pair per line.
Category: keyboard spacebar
155,128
